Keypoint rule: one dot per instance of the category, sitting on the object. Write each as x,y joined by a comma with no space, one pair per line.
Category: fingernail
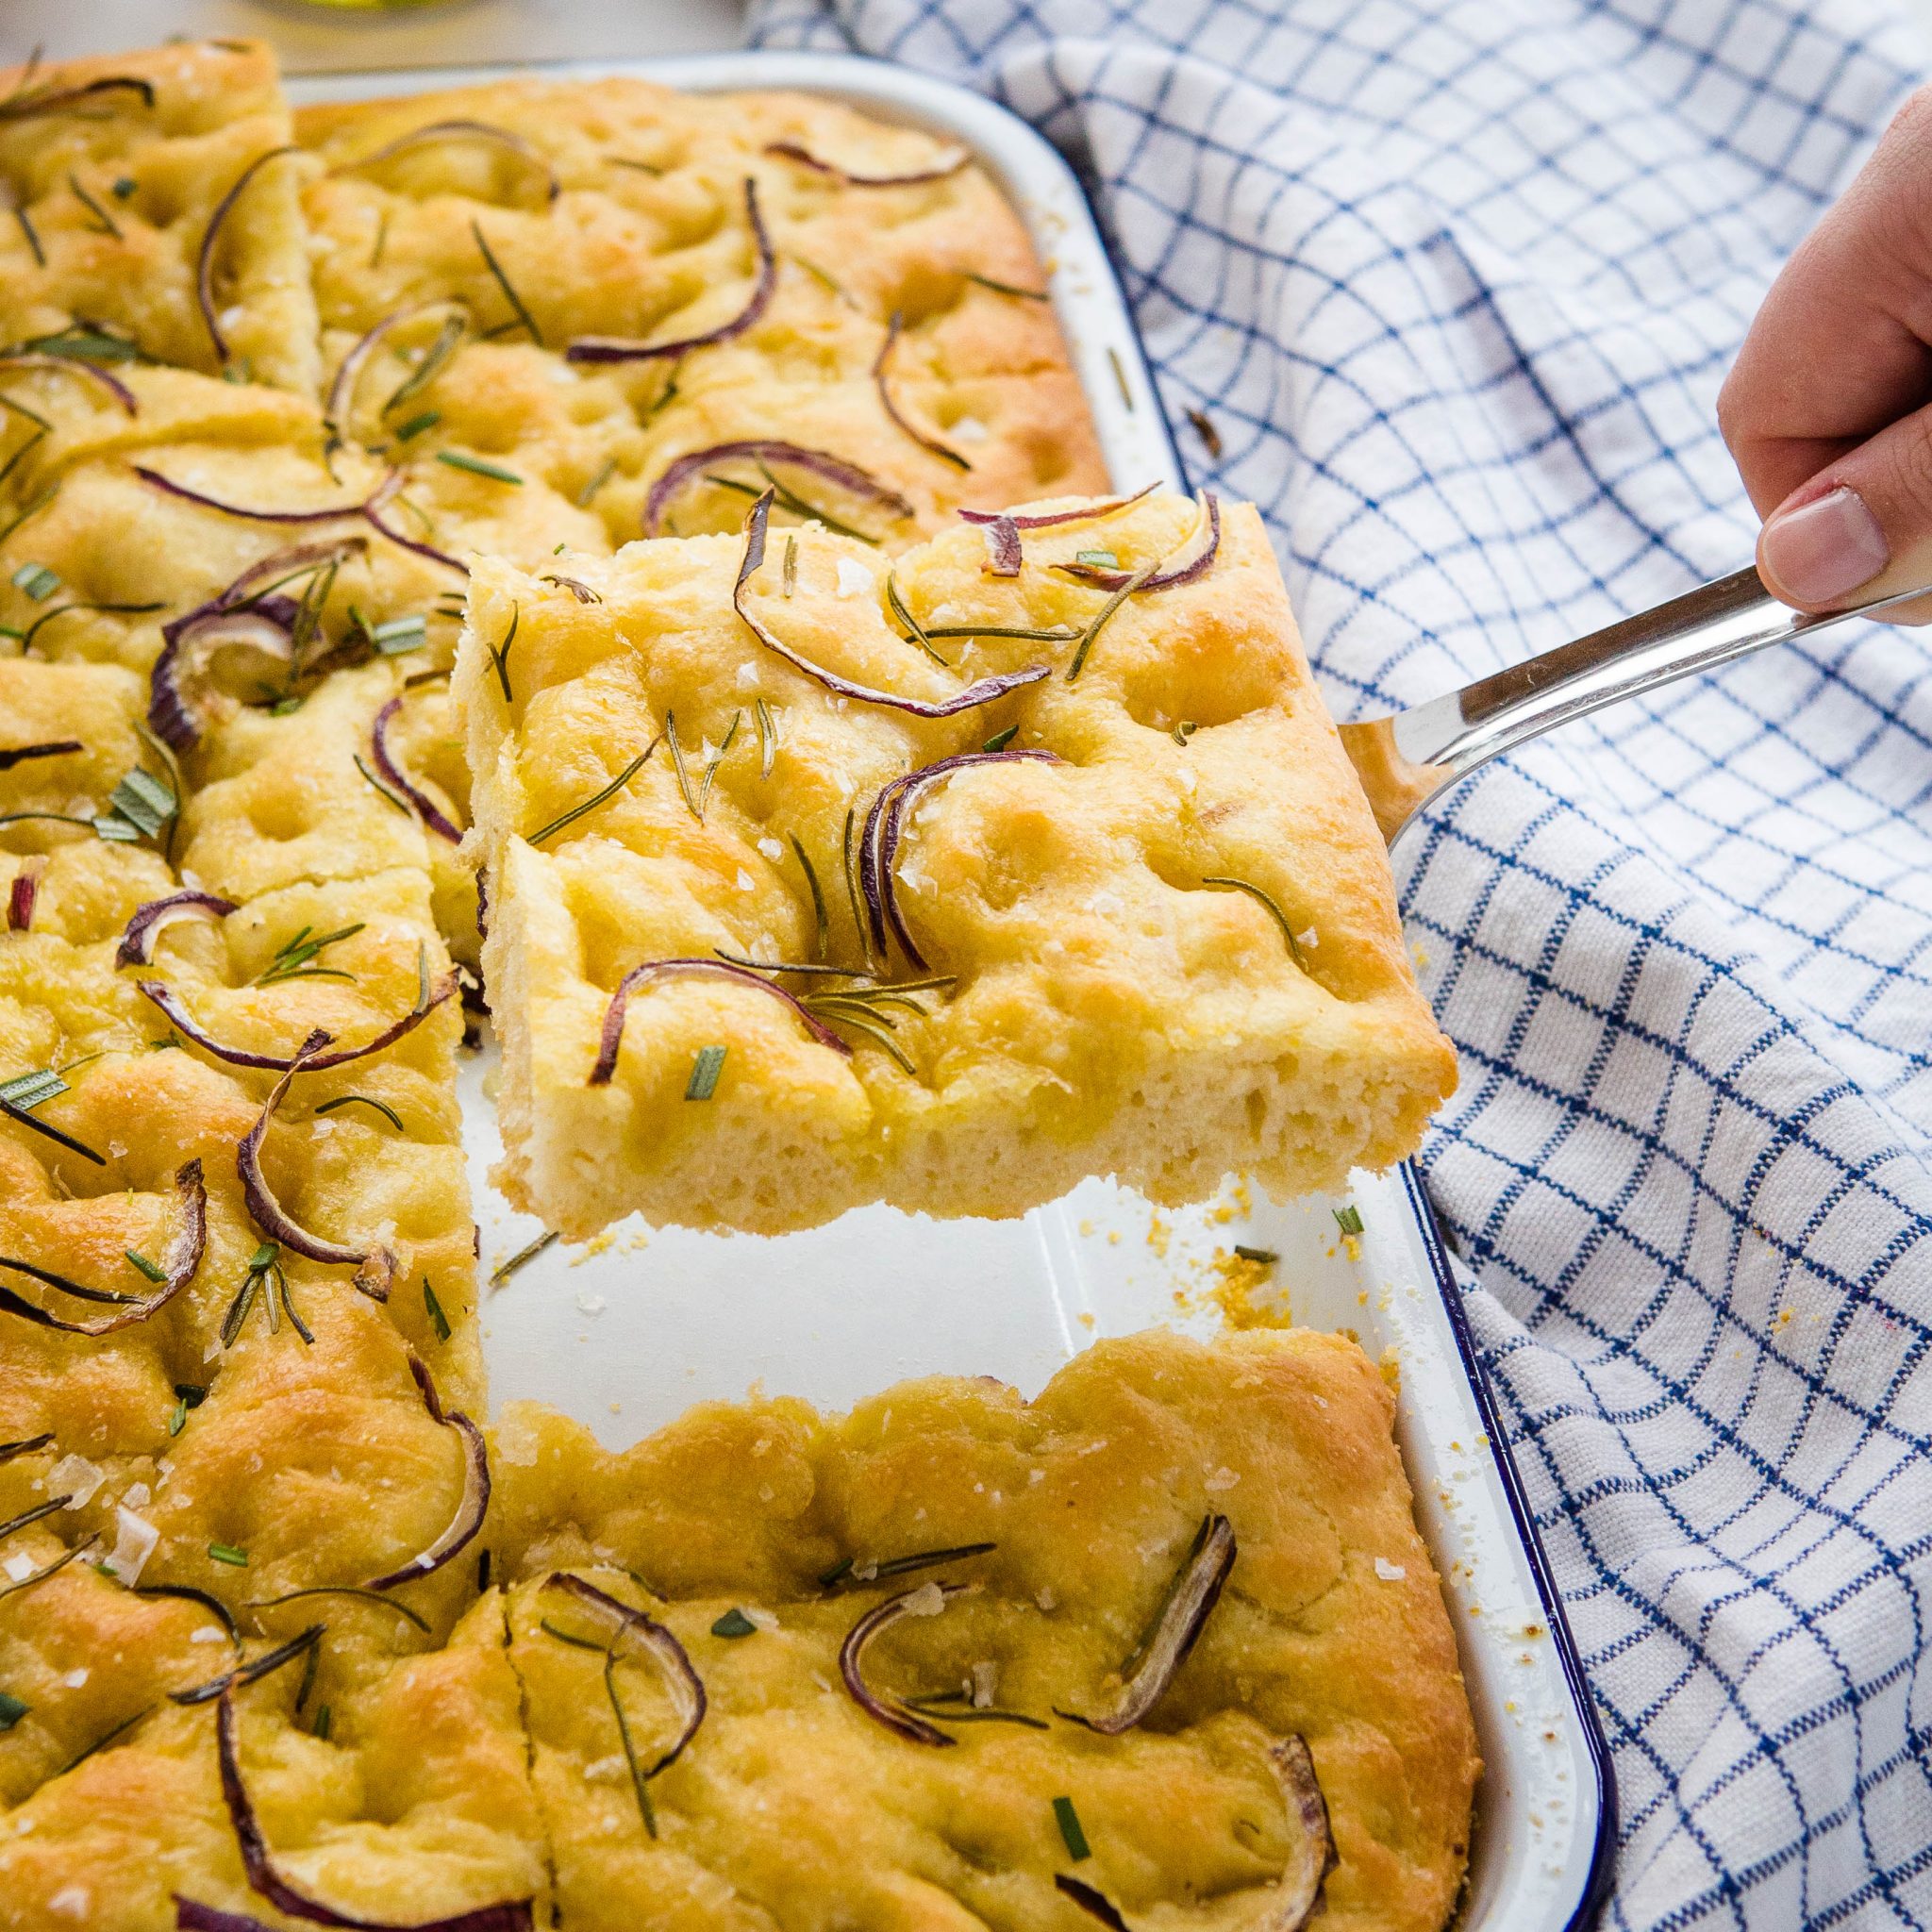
1822,549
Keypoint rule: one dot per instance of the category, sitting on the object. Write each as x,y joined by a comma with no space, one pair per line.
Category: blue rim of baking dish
1597,1880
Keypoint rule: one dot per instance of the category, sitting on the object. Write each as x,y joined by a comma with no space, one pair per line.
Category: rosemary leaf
438,1320
767,736
1226,883
457,459
377,785
389,1113
1069,1822
502,282
705,1071
499,654
1349,1219
691,803
591,804
822,925
503,1270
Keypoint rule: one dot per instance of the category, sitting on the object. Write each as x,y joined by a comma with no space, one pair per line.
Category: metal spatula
1408,758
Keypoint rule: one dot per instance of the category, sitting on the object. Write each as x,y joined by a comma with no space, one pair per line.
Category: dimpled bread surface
1112,1004
211,1488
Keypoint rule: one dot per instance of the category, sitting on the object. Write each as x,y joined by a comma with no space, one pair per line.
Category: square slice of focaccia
797,958
649,295
116,170
1026,1548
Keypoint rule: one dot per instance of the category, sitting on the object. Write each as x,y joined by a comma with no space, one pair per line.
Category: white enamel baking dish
628,1330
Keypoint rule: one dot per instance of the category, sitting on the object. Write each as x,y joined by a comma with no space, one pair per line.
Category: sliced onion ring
878,847
21,895
169,486
263,1878
153,919
205,261
1003,550
889,1712
57,100
816,462
1196,566
72,365
633,1633
791,151
457,130
425,808
1190,1598
462,1528
178,1266
190,1915
1298,1890
900,420
983,693
341,391
621,349
376,1267
680,969
1047,520
165,998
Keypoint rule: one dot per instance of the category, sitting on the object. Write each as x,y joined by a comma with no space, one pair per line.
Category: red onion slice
54,748
57,100
205,261
459,130
679,969
71,365
462,1528
928,1599
171,488
900,420
1003,546
816,462
509,1916
425,806
620,349
635,1634
178,1266
983,693
1298,1890
878,845
1163,580
153,919
341,391
21,895
373,512
190,1915
165,998
1092,1901
1087,513
791,151
375,1268
1190,1598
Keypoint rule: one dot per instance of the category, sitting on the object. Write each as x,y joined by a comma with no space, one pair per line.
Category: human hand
1828,408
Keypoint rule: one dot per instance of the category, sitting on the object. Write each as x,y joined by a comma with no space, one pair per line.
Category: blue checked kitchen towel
1454,282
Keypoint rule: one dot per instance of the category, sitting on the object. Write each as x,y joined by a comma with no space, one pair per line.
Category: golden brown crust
1113,1005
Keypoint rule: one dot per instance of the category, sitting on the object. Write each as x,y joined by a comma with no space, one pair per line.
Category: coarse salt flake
134,1542
77,1478
772,849
970,429
74,1679
745,882
855,580
928,1600
1388,1572
19,1567
1219,1479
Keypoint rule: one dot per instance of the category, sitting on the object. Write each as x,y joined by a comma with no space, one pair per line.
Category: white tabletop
315,39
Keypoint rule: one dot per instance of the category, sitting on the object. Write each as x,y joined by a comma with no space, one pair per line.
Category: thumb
1860,528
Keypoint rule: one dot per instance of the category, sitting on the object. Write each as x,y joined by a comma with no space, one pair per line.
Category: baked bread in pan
272,1604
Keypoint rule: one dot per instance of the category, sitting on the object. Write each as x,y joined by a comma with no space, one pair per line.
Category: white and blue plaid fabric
1455,281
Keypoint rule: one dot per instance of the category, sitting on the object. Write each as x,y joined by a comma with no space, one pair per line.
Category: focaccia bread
642,282
115,170
799,959
1163,1641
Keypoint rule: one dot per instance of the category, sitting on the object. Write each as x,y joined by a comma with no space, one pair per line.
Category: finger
1860,528
1840,348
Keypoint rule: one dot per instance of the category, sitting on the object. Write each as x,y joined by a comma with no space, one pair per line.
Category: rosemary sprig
820,925
457,459
503,1270
455,326
951,1708
1053,634
914,629
767,736
377,785
790,574
502,282
33,240
637,1780
367,1596
295,959
102,222
848,1572
787,499
596,798
1000,739
1069,1822
677,765
1009,288
47,617
389,1113
705,1071
1107,611
1349,1219
499,654
1226,883
596,483
853,896
716,760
